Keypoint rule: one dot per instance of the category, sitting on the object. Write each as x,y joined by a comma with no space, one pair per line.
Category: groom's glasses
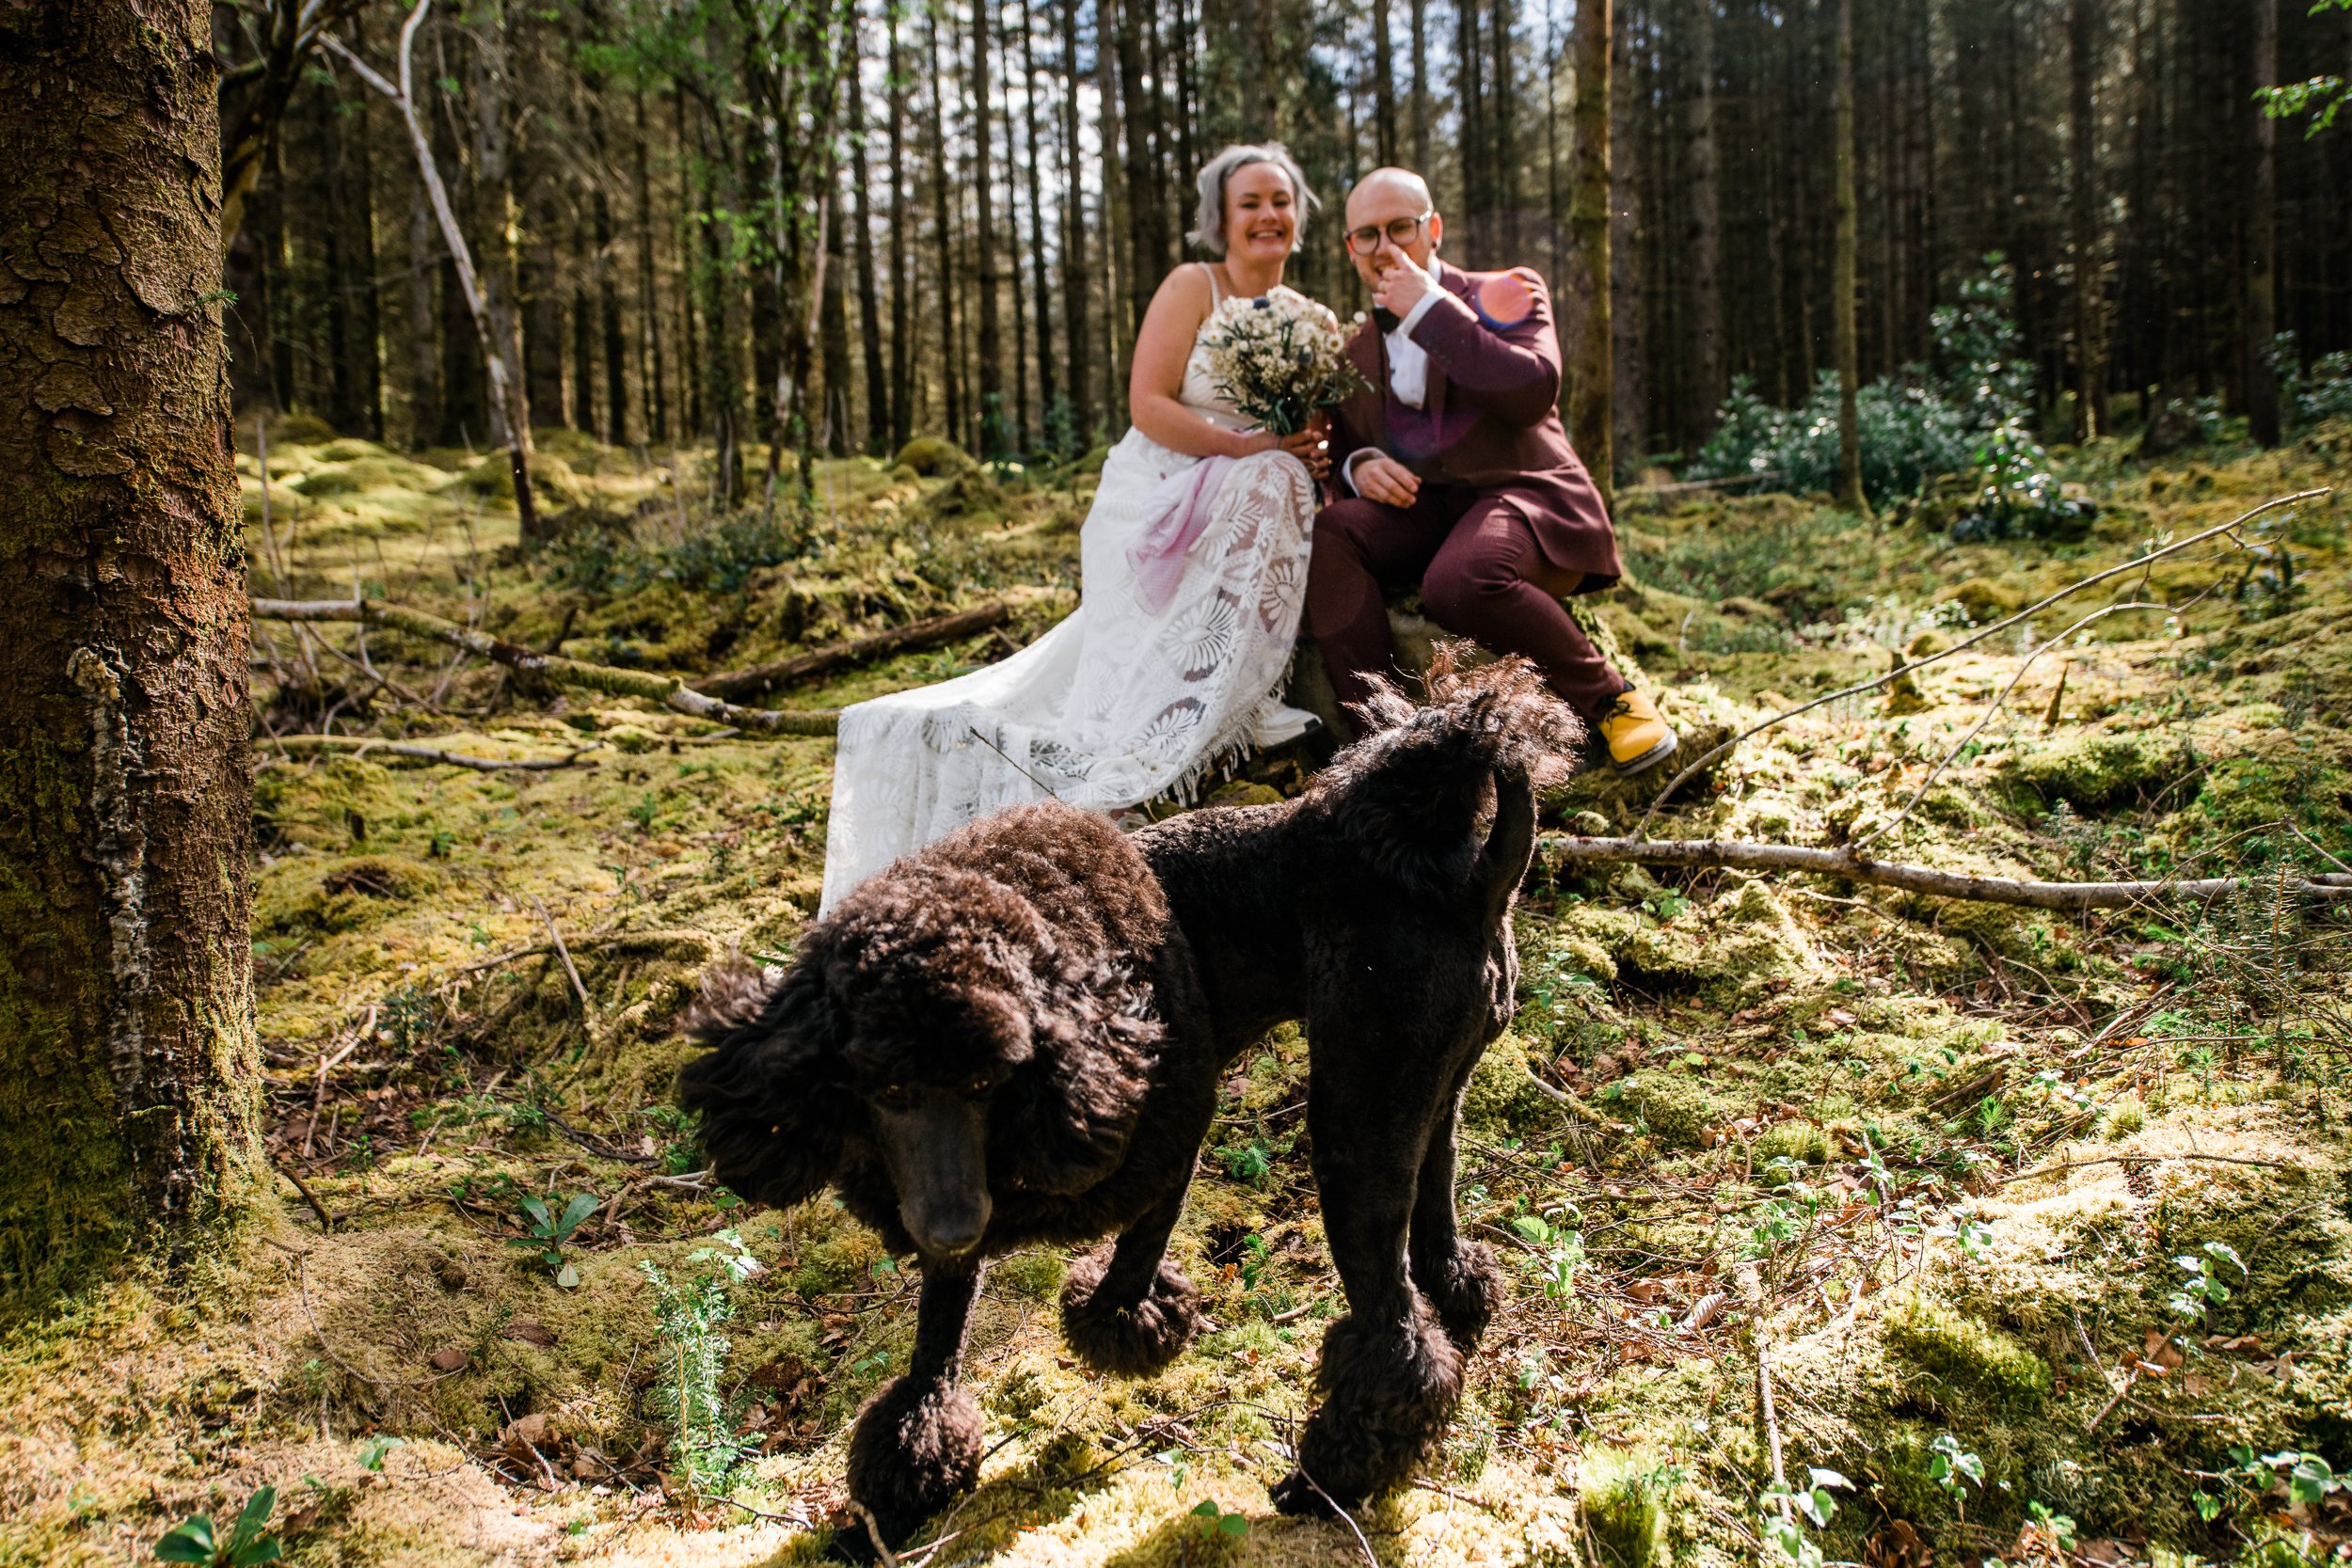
1398,232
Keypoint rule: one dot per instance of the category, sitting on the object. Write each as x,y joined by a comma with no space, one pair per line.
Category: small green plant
374,1450
550,1231
1562,1253
1783,1535
1215,1524
1949,1465
2202,1288
197,1540
1249,1162
705,1440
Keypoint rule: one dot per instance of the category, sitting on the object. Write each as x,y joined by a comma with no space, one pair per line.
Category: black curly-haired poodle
1016,1035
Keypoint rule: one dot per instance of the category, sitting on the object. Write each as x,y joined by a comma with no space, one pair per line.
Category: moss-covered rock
969,492
1957,1356
1622,1494
1676,1106
932,457
1503,1094
2094,772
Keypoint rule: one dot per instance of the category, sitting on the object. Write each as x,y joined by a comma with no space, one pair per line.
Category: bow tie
1386,320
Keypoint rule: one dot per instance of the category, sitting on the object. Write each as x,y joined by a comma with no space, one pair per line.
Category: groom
1450,470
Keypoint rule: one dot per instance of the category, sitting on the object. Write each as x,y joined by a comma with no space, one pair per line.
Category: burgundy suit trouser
1482,576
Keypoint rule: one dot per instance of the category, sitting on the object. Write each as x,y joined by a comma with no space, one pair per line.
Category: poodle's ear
773,1113
1095,1038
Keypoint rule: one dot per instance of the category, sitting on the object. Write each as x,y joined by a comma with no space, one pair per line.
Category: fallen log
360,745
669,691
762,678
2069,897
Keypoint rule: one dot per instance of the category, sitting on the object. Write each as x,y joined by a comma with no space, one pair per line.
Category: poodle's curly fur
1377,906
1057,1001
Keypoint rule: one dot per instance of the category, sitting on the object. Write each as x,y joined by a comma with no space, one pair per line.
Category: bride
1193,563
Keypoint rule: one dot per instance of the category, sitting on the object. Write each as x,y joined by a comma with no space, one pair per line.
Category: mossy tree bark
1844,303
128,1065
1591,349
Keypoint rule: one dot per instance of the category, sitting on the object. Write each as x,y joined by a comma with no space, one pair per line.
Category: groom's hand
1400,289
1383,479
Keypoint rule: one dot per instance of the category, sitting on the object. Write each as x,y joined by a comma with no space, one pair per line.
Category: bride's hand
1311,446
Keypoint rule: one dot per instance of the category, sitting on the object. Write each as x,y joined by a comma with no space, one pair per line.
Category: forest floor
2034,1220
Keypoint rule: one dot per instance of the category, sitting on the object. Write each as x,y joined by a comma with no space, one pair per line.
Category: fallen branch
359,745
2139,563
2146,1160
2071,898
669,691
762,678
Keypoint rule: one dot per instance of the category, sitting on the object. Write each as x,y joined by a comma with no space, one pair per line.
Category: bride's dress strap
1216,294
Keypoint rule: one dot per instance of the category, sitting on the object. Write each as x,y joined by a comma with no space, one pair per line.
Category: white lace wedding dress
1159,675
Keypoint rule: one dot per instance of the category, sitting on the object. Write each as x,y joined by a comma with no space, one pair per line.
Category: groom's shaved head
1383,188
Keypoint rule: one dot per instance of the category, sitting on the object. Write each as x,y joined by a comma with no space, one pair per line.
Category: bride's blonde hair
1208,230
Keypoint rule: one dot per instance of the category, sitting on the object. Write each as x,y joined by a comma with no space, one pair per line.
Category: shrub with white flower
1280,358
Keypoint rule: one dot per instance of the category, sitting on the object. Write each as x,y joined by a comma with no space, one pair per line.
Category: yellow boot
1638,738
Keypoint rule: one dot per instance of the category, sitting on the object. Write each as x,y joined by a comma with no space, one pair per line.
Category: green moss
1676,1106
2094,772
1503,1094
1622,1493
1035,1276
932,457
1962,1358
1798,1140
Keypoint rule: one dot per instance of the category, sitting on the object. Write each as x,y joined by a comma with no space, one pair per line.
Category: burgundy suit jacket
1490,420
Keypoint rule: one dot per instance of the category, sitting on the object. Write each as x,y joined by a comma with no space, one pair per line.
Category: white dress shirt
1408,367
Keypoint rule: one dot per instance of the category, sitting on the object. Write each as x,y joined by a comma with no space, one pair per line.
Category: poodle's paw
917,1444
1134,1339
1388,1391
1465,1290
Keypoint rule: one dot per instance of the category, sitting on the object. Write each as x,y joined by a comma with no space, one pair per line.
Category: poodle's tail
1443,796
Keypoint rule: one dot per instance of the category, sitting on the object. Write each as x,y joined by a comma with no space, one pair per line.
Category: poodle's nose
953,1233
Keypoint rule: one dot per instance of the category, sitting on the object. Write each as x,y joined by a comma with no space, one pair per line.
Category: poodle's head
935,1022
1424,786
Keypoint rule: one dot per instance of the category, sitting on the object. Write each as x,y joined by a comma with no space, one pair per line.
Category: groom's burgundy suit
1507,522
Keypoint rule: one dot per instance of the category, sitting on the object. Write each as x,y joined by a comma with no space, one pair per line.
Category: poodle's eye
979,1087
897,1096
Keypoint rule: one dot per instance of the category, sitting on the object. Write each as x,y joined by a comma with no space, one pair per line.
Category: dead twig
668,690
361,745
918,634
318,1205
587,1009
2071,898
2145,1159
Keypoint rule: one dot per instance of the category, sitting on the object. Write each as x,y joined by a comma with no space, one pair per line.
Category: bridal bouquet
1280,358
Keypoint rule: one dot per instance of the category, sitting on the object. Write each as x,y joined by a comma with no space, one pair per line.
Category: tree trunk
1147,235
902,276
835,328
1420,86
1842,285
2262,240
995,439
868,296
944,225
1383,86
510,411
1588,321
129,1073
1704,246
1076,279
425,380
1627,393
1053,419
654,375
2089,369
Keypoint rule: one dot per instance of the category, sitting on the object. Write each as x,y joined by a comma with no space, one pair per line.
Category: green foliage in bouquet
1280,358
